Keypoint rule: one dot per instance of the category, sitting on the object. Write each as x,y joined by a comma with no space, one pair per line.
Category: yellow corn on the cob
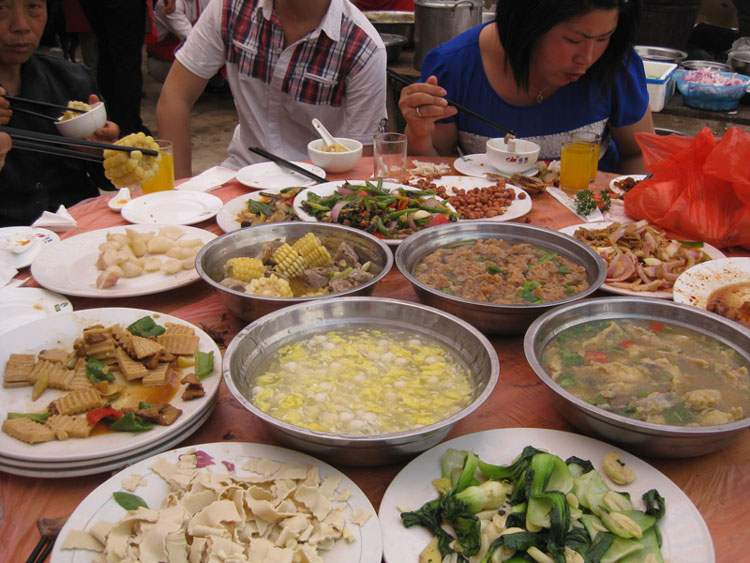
131,168
272,286
288,261
312,251
244,268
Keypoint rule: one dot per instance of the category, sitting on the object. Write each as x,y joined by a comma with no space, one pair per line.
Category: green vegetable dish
539,508
651,371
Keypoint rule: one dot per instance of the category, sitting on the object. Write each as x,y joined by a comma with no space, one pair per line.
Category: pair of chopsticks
50,529
45,143
283,162
406,81
41,104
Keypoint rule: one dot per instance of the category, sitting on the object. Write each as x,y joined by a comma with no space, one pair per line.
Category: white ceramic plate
329,188
712,251
518,208
40,238
92,467
613,181
478,165
686,536
226,218
70,267
172,207
695,285
61,331
21,305
99,505
269,175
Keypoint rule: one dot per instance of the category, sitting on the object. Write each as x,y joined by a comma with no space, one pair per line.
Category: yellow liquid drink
164,179
575,166
595,140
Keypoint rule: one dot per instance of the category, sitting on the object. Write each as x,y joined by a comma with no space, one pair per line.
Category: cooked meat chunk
353,279
160,413
315,278
346,253
235,284
194,387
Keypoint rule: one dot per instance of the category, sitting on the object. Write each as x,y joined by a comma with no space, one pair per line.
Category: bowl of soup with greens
661,378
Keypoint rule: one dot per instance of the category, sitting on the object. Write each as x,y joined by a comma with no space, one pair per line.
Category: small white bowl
520,160
84,124
335,162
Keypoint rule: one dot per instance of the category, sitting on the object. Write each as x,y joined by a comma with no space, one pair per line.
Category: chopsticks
283,162
406,81
49,528
35,114
42,104
56,151
35,137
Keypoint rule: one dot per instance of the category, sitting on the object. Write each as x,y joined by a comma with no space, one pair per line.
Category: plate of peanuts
479,198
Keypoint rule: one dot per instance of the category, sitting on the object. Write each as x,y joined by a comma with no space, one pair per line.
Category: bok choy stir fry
373,208
641,258
540,508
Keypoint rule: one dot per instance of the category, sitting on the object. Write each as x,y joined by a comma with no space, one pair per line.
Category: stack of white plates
104,452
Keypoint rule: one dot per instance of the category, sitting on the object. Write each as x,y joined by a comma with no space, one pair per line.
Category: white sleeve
178,22
204,52
366,99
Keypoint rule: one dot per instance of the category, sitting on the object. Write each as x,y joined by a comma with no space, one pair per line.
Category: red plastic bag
700,189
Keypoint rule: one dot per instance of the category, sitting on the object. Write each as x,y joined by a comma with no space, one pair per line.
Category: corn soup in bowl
360,380
661,379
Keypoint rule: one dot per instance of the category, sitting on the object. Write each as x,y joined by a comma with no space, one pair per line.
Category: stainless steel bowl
644,438
255,342
697,65
393,45
393,21
495,318
739,61
248,242
661,53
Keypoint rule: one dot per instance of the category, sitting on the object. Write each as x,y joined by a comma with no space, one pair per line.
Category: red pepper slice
96,415
592,356
626,343
656,326
438,220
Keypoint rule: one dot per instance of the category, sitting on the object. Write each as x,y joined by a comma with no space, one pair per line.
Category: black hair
520,24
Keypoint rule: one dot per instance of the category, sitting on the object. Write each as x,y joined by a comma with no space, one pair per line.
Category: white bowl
84,124
335,161
519,160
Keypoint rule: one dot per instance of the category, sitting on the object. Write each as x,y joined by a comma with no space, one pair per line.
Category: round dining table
716,483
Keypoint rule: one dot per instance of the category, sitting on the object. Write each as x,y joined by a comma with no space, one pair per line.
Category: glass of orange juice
593,138
575,166
164,179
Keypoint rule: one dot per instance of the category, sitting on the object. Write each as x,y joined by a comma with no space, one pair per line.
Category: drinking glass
389,157
164,179
575,166
593,138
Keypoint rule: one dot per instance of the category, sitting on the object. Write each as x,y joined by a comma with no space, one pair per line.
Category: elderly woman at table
31,182
543,68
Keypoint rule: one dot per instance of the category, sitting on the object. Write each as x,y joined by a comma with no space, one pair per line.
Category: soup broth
651,371
363,381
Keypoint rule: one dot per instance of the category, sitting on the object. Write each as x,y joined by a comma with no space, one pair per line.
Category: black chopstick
35,114
43,542
406,81
283,162
43,104
20,144
23,134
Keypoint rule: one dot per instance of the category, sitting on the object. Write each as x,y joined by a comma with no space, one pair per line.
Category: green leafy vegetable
585,203
130,423
129,501
40,417
259,208
204,364
97,370
146,327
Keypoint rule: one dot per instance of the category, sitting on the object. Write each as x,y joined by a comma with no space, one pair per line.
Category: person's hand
423,103
169,6
5,146
107,134
5,111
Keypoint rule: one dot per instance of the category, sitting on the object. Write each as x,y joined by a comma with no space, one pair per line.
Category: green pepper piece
95,371
204,364
130,423
146,328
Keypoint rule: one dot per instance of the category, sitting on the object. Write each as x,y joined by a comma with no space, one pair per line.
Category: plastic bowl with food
513,156
82,125
382,379
710,96
557,251
335,159
372,255
658,378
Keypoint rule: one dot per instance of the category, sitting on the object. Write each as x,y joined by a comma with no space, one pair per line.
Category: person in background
120,27
287,62
543,68
32,182
171,30
390,5
5,146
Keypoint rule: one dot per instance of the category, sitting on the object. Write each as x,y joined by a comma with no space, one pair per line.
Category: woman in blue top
543,68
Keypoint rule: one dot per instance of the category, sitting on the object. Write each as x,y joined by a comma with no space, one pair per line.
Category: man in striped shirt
287,61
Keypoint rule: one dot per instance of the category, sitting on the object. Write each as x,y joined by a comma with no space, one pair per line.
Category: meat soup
495,271
651,371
